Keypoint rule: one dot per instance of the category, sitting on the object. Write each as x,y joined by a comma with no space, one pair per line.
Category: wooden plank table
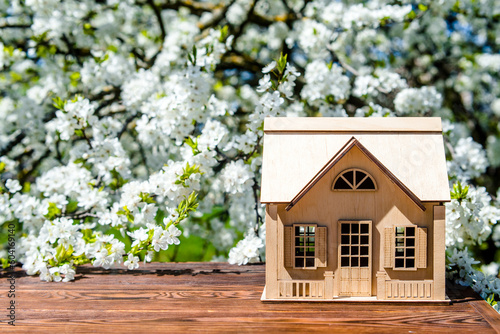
216,297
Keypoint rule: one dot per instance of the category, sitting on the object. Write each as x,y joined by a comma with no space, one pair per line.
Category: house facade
354,208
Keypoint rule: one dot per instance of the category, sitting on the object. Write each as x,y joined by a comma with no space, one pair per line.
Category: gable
413,154
353,142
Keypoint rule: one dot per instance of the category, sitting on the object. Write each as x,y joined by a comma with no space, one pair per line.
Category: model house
354,208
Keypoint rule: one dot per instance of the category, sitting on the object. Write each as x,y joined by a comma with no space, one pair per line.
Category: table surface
217,297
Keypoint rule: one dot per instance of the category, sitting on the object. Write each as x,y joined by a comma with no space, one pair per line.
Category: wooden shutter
321,246
288,246
421,247
389,247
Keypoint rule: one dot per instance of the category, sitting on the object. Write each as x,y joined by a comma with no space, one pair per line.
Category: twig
160,21
10,145
71,49
125,125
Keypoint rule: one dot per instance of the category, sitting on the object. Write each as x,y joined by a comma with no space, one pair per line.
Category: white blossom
247,250
417,100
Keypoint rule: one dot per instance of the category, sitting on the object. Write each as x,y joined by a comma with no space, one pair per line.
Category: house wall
385,207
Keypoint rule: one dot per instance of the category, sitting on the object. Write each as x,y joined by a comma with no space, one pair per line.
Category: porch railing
301,289
397,290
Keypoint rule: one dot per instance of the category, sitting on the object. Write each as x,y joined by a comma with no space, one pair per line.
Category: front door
355,257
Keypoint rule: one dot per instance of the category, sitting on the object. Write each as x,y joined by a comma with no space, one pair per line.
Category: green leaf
411,15
71,206
491,300
5,263
74,78
26,187
193,144
15,76
88,236
112,48
126,212
186,173
147,198
60,252
88,29
58,103
192,57
53,211
422,7
459,192
281,63
224,31
117,180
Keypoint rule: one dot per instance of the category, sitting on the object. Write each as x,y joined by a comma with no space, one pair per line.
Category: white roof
296,149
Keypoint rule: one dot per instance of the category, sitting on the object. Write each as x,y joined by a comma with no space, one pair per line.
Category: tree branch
160,21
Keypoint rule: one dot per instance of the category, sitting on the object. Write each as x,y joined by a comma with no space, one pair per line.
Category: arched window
354,179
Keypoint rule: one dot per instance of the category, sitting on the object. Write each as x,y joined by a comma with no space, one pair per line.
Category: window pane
354,261
410,252
309,251
400,263
364,250
400,242
355,228
400,252
344,261
299,241
364,228
410,242
297,230
341,184
299,251
345,240
349,176
410,263
359,176
354,239
310,262
354,250
400,231
299,262
301,229
344,250
364,240
310,230
344,228
310,242
367,184
410,231
363,262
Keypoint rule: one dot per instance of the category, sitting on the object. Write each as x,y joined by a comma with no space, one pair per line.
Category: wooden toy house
354,208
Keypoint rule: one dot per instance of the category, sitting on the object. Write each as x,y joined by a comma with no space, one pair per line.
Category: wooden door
355,257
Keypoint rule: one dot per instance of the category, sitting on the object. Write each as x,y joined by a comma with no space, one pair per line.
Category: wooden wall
387,206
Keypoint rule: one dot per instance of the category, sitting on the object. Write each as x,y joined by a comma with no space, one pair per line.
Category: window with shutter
305,246
405,247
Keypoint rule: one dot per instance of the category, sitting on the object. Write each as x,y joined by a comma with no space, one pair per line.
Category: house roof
299,151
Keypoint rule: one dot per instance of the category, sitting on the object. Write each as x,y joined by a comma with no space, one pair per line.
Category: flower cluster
470,216
118,117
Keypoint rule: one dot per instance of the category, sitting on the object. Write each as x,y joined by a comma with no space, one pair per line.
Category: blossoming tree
124,124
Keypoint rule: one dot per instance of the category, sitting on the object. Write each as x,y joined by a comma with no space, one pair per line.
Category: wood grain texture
344,124
215,298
